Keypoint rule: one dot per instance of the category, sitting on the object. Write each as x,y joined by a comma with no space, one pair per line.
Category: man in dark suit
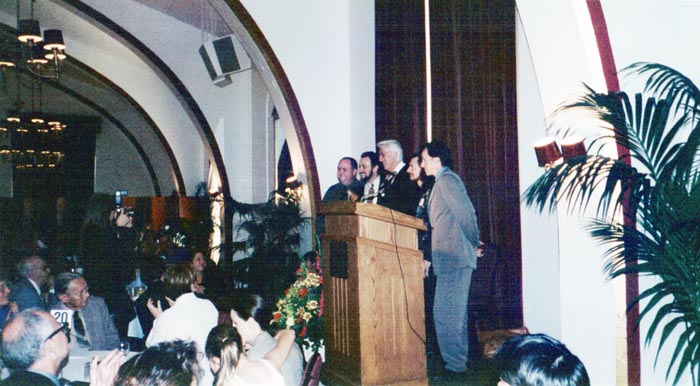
348,187
92,326
27,292
35,347
455,236
396,190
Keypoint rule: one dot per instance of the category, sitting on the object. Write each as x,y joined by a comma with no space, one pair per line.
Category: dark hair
530,360
62,282
250,305
169,363
21,342
353,162
178,280
373,157
438,149
217,337
231,351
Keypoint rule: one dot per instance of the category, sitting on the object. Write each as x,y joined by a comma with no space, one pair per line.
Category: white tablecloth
78,367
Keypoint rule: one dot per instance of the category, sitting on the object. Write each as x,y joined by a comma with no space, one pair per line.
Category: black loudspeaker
223,57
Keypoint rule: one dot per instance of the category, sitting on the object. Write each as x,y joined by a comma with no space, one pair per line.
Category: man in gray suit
455,234
91,327
27,292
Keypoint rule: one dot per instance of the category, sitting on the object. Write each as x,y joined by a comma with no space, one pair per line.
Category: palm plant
272,236
656,188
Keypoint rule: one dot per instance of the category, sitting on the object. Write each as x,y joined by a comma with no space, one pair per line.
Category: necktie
79,331
371,190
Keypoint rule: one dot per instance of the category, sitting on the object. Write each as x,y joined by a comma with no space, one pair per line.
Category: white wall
327,52
564,292
556,52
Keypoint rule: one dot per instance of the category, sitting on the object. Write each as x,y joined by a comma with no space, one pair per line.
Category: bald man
35,347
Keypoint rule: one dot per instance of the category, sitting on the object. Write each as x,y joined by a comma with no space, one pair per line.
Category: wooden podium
373,289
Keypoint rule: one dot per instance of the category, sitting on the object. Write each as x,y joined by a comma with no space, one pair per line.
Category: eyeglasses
64,328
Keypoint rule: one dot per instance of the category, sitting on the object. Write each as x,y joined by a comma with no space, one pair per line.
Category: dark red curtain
400,72
474,112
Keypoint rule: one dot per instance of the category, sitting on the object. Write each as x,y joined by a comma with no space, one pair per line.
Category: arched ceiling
150,111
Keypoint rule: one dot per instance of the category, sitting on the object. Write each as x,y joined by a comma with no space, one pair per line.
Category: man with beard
369,174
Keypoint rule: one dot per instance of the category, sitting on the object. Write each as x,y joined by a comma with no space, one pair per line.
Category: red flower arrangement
301,308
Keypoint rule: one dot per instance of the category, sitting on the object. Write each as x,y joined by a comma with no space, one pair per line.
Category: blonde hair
231,351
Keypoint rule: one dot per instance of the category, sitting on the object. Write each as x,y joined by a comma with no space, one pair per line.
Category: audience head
34,268
390,154
532,360
4,289
249,313
171,363
199,262
369,165
179,279
231,351
34,339
435,155
217,337
72,290
347,171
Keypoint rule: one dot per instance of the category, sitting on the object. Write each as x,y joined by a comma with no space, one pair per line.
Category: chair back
312,371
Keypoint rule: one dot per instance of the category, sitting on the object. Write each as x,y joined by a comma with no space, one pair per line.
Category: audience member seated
199,263
237,369
533,360
92,327
249,313
189,318
156,294
217,336
35,347
28,290
167,363
7,309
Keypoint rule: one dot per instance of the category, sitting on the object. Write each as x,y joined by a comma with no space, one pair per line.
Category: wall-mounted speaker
223,57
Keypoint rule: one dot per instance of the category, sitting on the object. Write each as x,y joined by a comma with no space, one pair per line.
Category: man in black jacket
396,190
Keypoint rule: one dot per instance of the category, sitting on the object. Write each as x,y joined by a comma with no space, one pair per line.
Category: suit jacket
339,192
455,231
402,195
24,293
26,378
98,324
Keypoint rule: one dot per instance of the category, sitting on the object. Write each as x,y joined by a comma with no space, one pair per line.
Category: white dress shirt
190,318
372,184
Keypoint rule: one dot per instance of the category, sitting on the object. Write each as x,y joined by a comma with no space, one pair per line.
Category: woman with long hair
239,370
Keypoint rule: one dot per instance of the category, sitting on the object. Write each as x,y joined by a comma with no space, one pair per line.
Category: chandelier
30,140
43,56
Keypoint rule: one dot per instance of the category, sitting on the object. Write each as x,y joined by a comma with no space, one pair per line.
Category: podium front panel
374,318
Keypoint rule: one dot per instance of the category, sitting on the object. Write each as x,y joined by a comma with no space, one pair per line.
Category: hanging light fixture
42,56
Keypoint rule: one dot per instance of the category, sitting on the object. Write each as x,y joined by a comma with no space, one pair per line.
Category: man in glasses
28,291
35,347
92,327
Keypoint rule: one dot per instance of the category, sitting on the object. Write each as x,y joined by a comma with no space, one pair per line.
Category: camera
118,195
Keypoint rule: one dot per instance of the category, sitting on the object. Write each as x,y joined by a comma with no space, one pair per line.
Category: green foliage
272,234
660,130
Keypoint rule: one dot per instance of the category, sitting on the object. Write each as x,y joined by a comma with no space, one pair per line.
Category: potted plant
657,187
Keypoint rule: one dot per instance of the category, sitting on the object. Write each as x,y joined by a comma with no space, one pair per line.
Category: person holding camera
107,246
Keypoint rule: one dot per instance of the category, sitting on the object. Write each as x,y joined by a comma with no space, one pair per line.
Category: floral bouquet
301,308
